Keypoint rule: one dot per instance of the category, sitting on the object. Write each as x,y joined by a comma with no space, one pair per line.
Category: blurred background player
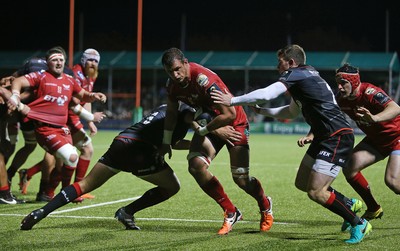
86,73
6,150
35,64
134,150
76,127
49,110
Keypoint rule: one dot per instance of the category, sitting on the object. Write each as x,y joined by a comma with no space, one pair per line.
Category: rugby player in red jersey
192,83
49,110
377,115
86,73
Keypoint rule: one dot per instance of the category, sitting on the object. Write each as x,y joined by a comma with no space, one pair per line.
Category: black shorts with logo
132,155
335,149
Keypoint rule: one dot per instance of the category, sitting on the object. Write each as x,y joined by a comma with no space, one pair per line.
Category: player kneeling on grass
134,150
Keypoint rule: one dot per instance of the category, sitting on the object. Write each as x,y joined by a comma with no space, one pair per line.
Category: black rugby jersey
316,99
150,129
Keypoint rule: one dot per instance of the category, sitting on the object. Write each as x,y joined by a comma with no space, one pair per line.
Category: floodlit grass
190,219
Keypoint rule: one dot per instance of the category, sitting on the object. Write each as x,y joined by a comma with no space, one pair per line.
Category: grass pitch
190,220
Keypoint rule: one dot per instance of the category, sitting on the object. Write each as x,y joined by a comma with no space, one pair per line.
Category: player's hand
164,149
98,117
23,109
100,96
228,134
92,128
304,141
365,115
13,102
221,98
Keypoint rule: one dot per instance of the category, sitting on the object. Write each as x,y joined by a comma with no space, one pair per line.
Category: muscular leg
363,156
3,172
48,164
167,185
5,193
392,174
318,190
69,156
200,155
303,174
54,178
239,158
99,174
23,153
83,142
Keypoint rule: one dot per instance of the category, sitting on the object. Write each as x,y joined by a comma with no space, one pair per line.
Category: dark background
264,25
219,25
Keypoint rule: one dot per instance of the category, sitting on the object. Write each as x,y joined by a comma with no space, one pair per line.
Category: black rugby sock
65,196
148,199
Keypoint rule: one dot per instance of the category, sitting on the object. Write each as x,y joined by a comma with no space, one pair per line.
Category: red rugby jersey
52,97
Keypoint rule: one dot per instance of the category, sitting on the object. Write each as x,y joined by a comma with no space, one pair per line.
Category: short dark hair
170,55
347,68
56,49
293,51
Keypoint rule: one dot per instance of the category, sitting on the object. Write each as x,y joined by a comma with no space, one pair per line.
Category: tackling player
334,138
134,150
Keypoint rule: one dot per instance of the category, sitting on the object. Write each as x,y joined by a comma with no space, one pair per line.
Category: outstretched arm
283,112
91,96
258,96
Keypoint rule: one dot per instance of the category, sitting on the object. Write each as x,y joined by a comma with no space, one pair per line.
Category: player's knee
393,184
87,150
240,176
171,184
68,154
85,143
316,195
73,158
174,188
312,195
198,162
30,138
300,185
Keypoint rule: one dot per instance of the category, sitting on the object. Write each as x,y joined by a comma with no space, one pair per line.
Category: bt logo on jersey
59,100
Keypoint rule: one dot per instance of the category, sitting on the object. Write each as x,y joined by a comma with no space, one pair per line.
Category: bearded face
91,69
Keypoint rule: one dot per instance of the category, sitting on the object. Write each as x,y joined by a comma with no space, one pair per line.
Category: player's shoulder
368,89
299,73
69,77
372,92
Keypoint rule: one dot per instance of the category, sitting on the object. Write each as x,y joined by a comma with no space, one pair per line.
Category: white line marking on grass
94,205
147,219
53,214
